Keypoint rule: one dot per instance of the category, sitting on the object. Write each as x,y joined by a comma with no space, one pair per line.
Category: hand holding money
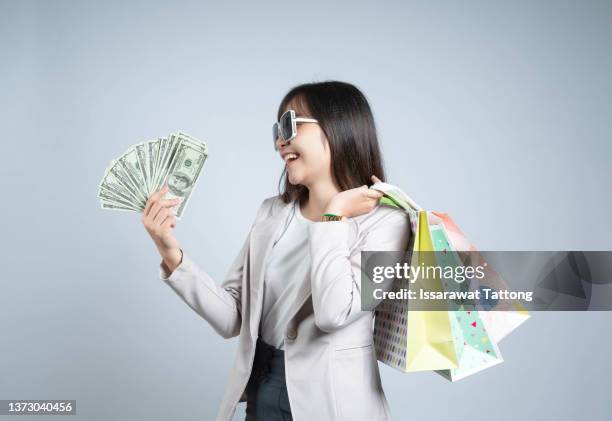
175,161
159,221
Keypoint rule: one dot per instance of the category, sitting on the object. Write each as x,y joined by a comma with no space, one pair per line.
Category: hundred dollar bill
152,148
163,147
119,173
108,205
144,168
173,145
141,154
112,181
109,196
185,168
129,161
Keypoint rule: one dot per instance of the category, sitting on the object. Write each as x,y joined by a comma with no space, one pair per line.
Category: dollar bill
173,144
115,181
185,168
129,161
144,168
109,205
152,148
109,196
163,147
141,154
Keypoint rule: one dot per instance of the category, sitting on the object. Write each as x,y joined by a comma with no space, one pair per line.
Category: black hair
346,119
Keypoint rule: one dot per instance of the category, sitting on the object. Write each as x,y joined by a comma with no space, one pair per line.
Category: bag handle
394,196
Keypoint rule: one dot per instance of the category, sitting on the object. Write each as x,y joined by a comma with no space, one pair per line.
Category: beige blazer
330,362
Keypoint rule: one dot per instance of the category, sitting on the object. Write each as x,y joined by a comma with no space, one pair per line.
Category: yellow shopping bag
414,340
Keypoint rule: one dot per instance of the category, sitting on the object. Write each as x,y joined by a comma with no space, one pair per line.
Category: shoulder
383,216
269,206
384,228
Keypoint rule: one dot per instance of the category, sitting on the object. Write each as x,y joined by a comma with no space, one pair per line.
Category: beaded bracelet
332,217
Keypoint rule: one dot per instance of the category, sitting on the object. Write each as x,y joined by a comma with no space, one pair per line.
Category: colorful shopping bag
475,348
415,340
474,340
502,317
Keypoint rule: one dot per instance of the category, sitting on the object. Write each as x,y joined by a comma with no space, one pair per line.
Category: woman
292,295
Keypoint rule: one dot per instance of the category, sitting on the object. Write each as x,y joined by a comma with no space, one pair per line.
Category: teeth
290,156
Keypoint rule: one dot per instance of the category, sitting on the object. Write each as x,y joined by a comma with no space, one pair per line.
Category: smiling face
338,153
313,162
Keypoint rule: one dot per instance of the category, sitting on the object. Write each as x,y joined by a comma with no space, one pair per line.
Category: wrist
172,258
334,208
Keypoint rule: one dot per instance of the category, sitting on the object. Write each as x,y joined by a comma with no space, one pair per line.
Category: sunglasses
286,127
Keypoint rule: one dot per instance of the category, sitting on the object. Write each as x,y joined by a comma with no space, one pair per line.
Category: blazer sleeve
336,275
219,305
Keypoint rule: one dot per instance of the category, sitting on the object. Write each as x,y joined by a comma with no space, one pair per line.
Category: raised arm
336,275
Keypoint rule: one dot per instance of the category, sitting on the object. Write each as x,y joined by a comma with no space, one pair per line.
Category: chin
295,177
294,180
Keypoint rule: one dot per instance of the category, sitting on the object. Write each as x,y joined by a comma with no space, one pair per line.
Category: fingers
161,216
158,213
154,210
170,222
373,194
376,179
164,211
160,205
380,194
154,198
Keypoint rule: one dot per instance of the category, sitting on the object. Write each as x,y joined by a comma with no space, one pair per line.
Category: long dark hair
346,119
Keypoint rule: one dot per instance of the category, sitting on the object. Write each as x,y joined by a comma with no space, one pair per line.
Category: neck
319,196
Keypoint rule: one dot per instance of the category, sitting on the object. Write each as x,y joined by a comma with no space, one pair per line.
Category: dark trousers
267,398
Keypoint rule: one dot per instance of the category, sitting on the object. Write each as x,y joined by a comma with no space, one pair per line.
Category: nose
280,143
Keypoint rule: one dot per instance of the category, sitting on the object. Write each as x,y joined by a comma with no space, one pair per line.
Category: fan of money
143,169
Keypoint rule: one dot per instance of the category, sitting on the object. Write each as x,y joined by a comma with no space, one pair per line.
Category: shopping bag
474,335
475,348
501,317
414,340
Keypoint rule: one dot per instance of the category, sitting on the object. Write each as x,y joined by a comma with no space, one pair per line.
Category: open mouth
290,157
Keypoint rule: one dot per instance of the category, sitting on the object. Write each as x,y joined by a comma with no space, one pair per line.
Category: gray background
495,112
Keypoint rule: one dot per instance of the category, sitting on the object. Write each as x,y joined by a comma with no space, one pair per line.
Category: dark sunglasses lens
286,126
275,133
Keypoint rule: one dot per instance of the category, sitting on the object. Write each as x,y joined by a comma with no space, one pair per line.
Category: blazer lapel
263,235
305,290
262,238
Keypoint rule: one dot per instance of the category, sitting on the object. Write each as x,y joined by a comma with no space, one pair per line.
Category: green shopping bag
475,348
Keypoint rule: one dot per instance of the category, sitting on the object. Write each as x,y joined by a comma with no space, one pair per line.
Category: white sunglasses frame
294,121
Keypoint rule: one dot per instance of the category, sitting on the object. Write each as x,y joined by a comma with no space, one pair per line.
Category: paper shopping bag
475,348
414,340
475,333
502,317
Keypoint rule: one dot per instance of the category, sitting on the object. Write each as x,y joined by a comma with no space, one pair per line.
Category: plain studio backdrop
498,113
